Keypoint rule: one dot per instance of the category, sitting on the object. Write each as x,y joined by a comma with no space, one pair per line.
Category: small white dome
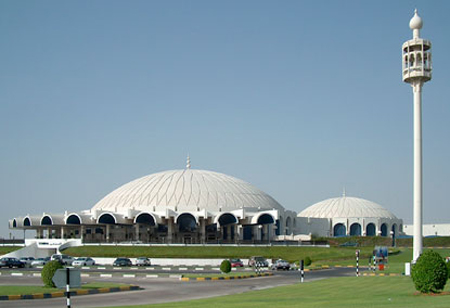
416,22
187,189
346,207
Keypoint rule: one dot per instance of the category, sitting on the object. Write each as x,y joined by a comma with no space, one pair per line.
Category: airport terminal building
196,207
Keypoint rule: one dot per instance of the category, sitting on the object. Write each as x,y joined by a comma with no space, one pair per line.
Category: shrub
307,261
225,266
49,271
430,273
448,268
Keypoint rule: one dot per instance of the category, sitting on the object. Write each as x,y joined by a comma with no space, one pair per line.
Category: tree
48,271
225,266
430,273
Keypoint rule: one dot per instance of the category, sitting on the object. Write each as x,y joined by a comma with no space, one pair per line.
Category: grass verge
335,292
22,290
7,249
292,254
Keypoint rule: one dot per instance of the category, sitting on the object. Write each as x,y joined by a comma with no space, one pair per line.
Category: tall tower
416,58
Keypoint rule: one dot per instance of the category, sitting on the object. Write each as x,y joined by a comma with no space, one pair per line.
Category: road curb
72,293
381,274
225,278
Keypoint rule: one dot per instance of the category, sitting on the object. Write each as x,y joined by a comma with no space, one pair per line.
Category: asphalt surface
162,290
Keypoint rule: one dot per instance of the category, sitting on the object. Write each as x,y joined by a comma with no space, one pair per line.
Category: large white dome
346,207
187,189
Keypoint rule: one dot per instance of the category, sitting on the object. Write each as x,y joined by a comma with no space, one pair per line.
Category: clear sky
299,98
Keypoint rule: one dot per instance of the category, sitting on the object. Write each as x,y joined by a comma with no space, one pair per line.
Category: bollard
357,263
302,270
68,286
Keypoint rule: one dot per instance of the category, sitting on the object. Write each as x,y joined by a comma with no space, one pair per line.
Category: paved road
162,290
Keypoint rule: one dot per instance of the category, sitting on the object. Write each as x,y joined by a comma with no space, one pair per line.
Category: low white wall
429,229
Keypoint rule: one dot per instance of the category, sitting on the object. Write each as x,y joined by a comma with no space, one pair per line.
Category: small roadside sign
60,278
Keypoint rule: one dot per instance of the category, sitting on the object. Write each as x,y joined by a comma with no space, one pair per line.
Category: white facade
429,229
177,206
350,216
197,206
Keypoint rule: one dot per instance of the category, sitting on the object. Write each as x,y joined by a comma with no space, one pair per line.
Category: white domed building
348,216
177,206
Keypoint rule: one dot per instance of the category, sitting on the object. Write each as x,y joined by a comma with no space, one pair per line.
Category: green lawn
23,290
8,249
292,254
336,293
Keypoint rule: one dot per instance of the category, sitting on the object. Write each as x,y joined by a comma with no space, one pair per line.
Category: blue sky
299,98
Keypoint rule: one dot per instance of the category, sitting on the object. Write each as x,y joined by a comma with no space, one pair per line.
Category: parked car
280,264
27,261
143,261
122,262
260,261
63,259
236,263
83,261
11,262
40,261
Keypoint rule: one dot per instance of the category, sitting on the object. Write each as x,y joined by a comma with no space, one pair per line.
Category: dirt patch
431,294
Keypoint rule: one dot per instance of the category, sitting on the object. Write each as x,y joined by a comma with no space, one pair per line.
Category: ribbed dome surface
346,207
187,189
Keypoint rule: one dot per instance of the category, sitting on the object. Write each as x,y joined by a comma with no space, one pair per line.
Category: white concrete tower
416,58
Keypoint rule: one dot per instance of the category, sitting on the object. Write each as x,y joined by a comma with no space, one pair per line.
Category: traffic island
72,293
224,277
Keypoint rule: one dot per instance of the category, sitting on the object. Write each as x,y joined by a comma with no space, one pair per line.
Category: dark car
236,263
11,262
122,262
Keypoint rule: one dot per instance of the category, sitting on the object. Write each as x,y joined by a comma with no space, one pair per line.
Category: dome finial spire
343,192
188,162
416,24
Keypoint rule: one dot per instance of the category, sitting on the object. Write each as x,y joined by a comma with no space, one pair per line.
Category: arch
394,230
355,229
411,60
339,230
370,230
46,221
227,219
186,222
384,229
265,219
400,228
278,229
419,59
186,213
14,223
106,218
145,218
73,219
288,225
26,222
